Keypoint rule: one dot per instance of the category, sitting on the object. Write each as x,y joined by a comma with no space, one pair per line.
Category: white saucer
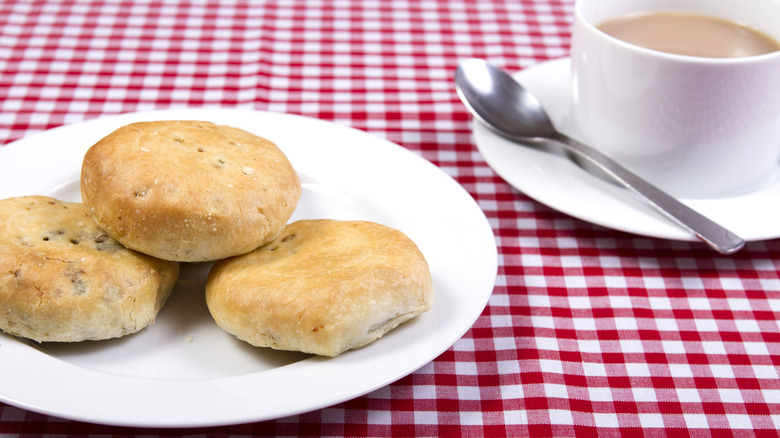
556,181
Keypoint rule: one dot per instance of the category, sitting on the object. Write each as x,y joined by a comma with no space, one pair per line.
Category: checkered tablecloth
587,330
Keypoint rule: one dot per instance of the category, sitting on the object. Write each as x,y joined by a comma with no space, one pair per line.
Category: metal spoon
504,106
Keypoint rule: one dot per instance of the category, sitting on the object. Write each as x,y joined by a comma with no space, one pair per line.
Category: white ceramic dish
184,371
558,182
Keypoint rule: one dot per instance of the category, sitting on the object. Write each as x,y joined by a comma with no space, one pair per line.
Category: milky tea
689,34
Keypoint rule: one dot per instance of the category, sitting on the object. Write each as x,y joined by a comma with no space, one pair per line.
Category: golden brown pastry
188,190
322,287
64,279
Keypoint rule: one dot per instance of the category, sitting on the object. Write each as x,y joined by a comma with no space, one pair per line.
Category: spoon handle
717,237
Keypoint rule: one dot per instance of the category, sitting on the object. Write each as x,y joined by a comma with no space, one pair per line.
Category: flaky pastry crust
63,279
188,191
322,287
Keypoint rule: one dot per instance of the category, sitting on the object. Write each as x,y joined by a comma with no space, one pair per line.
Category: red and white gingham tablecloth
587,330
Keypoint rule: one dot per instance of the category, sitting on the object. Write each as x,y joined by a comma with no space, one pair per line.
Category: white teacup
695,127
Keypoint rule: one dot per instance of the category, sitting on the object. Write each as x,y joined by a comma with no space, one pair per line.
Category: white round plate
184,371
558,182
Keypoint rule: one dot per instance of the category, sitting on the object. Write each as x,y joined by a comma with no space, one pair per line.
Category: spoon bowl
499,102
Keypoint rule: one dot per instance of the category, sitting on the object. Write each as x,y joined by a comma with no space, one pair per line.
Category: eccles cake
188,191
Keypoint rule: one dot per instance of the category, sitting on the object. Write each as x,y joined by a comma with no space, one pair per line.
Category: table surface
587,328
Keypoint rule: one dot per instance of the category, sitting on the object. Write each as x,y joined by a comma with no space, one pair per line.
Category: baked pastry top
188,190
322,287
64,279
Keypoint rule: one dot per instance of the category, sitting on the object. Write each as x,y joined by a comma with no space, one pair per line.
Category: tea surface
690,34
